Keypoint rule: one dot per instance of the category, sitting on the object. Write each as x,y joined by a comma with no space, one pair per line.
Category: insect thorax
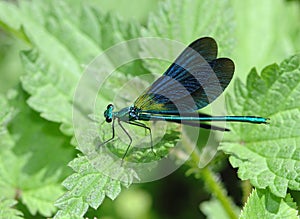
133,113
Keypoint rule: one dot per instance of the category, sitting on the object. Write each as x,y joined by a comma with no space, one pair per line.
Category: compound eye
109,106
108,120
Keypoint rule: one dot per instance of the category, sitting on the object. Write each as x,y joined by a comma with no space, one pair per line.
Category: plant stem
218,191
211,180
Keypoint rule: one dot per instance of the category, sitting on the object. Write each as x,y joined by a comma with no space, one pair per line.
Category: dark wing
194,80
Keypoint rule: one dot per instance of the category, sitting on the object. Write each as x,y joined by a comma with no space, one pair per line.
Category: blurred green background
265,32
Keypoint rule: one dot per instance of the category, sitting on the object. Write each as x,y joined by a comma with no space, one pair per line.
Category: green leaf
186,21
10,66
53,69
138,10
87,187
213,209
41,196
268,155
33,170
7,210
266,32
36,192
263,204
6,114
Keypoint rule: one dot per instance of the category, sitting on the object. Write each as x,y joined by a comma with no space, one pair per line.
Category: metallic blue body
195,79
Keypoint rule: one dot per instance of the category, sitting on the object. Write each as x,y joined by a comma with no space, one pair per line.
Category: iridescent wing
194,80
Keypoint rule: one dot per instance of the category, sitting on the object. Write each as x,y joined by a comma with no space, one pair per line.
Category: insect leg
112,137
146,127
119,122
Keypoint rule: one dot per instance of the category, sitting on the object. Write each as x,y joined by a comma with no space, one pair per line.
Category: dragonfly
194,80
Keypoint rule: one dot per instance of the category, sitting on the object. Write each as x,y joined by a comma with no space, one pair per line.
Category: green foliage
263,204
6,115
51,86
268,155
36,124
33,169
255,46
186,21
48,25
7,210
213,209
87,187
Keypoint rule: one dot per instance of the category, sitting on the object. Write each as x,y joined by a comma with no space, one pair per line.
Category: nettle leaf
263,204
87,187
33,170
7,209
65,38
268,155
63,45
47,98
41,195
6,114
36,192
186,21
